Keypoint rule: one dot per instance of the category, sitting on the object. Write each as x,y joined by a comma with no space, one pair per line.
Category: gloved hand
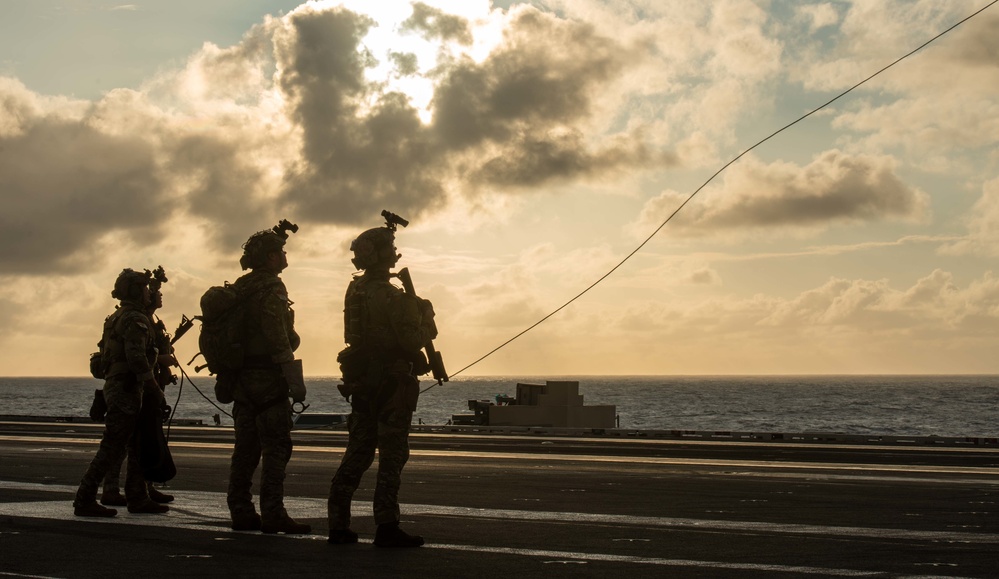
295,377
167,360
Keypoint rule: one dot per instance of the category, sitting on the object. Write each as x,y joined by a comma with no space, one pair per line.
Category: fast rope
718,172
210,401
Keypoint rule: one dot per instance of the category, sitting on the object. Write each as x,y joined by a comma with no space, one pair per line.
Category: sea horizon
953,405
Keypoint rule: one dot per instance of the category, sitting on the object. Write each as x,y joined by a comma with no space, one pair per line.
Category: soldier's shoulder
129,317
258,281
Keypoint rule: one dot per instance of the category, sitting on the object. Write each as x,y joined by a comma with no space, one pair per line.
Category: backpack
222,327
100,360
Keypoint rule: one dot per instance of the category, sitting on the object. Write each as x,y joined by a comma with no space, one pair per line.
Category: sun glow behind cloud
390,42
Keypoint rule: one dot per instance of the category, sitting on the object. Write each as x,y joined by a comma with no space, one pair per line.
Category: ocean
881,405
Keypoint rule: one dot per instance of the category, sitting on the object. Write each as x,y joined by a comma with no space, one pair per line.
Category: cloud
704,276
67,185
834,188
561,156
818,15
941,103
934,301
983,226
289,123
434,23
841,326
517,119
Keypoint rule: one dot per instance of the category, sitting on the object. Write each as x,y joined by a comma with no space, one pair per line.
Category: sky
532,146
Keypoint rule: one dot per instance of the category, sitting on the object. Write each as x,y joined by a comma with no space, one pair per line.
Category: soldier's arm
407,322
135,338
166,357
273,316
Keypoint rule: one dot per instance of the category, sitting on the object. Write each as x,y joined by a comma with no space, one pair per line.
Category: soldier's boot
286,525
113,498
156,496
147,507
91,509
245,521
390,535
342,537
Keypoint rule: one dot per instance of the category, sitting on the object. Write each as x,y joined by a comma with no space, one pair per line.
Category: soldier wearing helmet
128,356
111,495
385,329
261,410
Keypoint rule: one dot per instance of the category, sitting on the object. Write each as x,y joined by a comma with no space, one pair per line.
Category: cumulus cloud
940,103
934,300
834,188
842,325
434,23
66,185
983,226
517,119
287,122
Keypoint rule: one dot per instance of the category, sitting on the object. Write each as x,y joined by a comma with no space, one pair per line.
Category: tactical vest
113,359
255,289
366,315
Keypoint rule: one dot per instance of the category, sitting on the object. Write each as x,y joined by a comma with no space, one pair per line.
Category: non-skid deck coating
527,507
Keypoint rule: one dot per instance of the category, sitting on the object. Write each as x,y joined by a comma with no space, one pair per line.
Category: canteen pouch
225,384
97,365
99,407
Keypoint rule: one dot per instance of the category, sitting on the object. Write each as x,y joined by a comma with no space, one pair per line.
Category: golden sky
532,146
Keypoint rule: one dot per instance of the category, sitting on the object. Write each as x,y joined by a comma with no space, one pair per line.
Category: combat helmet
261,243
376,246
129,284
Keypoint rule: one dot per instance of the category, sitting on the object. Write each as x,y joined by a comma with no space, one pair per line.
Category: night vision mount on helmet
157,278
376,247
261,243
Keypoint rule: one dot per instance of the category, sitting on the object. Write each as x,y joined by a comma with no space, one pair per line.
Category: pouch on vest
225,384
97,365
353,362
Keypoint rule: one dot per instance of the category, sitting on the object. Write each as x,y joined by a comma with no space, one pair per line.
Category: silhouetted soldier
111,496
128,357
385,329
261,411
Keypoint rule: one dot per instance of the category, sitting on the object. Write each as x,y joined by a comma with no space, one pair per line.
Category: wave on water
879,405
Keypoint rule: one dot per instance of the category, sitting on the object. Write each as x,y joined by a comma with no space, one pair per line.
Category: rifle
165,375
435,358
182,328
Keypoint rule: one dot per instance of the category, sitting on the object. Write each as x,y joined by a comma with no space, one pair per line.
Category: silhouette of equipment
433,356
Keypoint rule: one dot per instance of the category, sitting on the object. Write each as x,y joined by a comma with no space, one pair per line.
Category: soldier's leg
393,452
274,426
362,441
135,485
245,458
112,480
111,494
123,408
